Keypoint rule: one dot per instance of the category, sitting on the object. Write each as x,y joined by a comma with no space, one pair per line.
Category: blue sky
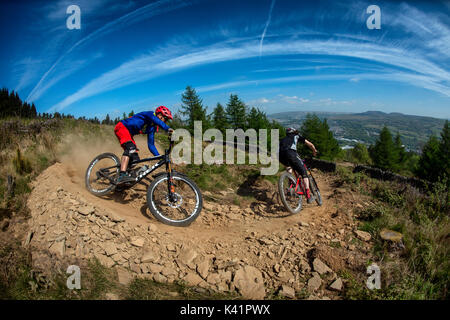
276,55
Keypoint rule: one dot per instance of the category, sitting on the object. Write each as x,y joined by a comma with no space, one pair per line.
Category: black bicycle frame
164,159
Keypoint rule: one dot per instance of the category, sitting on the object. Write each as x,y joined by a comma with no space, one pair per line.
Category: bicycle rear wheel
100,172
180,211
315,190
289,197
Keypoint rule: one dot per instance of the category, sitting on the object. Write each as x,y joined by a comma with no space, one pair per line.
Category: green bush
386,194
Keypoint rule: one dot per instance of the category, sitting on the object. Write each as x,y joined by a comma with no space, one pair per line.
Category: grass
25,156
422,269
214,177
145,289
18,281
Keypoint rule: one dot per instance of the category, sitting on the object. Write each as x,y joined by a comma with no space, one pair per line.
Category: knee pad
129,148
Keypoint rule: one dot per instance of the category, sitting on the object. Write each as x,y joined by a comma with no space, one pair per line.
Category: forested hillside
350,128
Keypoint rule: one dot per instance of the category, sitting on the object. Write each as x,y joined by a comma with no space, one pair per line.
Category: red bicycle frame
300,183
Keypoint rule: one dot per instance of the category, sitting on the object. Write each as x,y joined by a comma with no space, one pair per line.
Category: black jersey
290,142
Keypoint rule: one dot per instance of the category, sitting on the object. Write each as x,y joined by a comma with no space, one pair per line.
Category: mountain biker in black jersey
289,157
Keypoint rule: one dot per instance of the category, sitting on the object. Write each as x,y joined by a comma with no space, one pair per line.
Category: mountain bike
292,189
172,197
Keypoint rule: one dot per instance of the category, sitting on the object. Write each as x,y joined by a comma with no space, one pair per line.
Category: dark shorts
290,158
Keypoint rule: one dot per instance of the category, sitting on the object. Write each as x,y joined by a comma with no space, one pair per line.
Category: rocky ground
256,249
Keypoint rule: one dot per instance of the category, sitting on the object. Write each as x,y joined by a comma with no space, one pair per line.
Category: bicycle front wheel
183,208
292,201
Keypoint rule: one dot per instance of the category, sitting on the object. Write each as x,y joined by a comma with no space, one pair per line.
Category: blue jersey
135,124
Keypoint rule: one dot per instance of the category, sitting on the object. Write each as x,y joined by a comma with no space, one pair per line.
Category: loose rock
314,283
287,292
137,241
336,285
87,210
192,279
320,267
363,235
248,280
390,235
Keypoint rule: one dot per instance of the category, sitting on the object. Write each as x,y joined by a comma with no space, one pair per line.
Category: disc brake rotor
178,200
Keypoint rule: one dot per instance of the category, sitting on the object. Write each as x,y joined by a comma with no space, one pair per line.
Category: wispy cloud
415,80
145,12
409,67
27,69
265,28
380,59
66,70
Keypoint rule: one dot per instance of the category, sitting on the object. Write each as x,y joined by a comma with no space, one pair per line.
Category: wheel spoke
289,195
100,175
185,203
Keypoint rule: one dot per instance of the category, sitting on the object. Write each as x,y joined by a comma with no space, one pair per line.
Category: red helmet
164,111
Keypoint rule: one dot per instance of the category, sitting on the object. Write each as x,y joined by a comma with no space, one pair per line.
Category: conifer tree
400,153
444,150
434,163
257,119
384,153
33,111
319,133
192,108
107,119
219,118
428,166
236,113
360,153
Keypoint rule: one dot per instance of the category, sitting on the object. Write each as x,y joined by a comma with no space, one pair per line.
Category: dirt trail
254,250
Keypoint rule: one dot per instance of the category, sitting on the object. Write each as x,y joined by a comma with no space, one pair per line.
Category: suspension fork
170,183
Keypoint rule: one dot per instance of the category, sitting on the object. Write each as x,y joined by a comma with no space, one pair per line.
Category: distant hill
349,128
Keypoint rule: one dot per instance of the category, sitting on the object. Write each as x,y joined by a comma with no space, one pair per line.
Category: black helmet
291,131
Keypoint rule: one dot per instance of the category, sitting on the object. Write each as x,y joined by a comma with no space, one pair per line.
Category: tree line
389,153
12,106
235,114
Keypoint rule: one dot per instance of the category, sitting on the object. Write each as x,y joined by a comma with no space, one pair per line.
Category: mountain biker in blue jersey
126,129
